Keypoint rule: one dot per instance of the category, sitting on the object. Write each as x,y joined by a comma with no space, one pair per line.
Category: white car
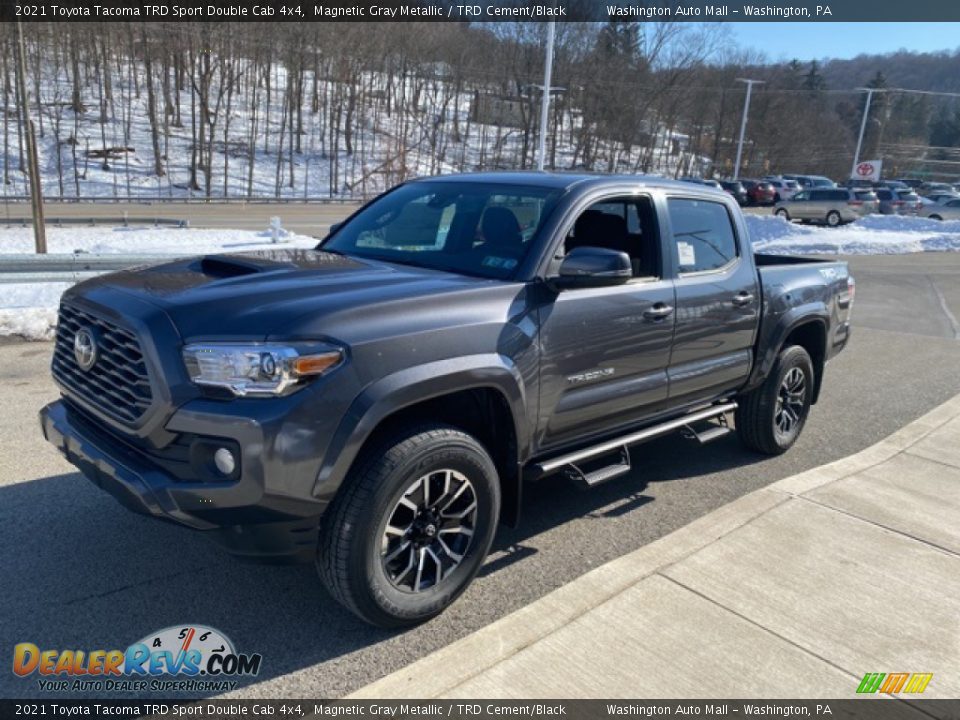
949,210
784,189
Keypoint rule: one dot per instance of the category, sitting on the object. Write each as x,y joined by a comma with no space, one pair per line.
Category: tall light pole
863,127
545,97
743,122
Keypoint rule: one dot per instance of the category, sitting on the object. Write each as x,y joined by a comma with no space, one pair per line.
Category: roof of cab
562,181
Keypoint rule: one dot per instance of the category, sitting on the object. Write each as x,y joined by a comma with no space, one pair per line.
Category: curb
443,670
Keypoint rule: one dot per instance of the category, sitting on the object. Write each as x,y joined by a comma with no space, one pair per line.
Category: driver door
605,351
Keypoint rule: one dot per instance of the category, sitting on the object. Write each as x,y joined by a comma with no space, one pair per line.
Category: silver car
949,210
833,206
893,203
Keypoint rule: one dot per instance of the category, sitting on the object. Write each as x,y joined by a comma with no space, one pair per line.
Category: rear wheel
935,217
782,212
770,418
833,218
411,527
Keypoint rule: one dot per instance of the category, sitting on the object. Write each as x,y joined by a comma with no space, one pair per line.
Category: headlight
258,369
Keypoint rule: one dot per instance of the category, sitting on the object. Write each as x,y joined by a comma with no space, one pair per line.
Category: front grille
118,383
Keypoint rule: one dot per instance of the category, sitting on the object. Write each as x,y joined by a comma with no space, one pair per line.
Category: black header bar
482,10
873,708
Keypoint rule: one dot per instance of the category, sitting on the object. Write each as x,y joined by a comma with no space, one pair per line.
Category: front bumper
241,515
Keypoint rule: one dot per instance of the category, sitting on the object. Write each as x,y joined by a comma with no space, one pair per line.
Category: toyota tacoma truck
377,403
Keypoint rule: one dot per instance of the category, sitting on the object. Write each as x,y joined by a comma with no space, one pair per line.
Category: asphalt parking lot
79,571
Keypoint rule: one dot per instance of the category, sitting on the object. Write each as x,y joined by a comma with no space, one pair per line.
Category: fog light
225,461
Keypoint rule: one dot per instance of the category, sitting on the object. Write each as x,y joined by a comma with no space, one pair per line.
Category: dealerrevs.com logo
187,658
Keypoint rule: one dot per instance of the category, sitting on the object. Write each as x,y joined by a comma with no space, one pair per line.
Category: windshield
468,227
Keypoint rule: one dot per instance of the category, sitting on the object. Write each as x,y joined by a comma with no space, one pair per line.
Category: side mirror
586,267
333,228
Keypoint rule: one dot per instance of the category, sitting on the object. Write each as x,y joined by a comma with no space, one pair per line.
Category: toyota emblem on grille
85,348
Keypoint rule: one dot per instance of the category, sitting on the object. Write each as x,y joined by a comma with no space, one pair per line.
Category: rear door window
703,235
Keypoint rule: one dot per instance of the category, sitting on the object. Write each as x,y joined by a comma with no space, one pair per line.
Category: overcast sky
808,41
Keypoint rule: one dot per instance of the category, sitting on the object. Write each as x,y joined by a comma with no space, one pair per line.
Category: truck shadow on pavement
79,571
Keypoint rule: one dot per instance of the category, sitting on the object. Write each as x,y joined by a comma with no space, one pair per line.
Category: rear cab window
703,235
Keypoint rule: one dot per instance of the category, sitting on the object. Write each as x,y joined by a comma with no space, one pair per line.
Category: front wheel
770,418
411,527
935,217
782,212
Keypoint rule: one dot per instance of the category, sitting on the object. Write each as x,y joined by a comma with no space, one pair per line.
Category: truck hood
282,293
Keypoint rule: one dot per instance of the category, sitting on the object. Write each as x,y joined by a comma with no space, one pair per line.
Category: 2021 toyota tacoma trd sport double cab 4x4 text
378,402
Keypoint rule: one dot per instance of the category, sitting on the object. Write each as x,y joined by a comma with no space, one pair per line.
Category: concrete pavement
795,590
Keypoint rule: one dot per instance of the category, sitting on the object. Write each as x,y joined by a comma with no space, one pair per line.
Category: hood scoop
230,266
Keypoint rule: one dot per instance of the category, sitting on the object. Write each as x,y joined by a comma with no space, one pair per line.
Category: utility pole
863,127
743,122
545,97
33,169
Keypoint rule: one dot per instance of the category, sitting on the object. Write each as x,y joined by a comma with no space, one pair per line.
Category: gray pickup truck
377,403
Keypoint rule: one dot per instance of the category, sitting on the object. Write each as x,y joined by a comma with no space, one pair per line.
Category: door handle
658,311
742,298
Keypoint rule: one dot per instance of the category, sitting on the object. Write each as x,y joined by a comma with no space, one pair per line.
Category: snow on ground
29,311
872,235
146,240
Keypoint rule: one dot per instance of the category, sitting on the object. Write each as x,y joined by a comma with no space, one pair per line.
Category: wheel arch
483,396
806,327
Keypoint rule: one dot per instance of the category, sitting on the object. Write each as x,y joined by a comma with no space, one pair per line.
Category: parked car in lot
949,210
736,190
374,405
942,197
759,192
912,202
928,189
893,184
811,181
891,203
910,182
832,206
784,189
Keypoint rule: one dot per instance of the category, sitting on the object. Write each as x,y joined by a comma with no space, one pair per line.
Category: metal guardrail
68,268
124,221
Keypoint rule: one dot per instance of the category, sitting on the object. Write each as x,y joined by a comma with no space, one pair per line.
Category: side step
709,433
571,461
602,474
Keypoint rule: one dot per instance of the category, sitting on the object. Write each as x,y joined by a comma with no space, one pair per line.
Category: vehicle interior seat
595,228
501,233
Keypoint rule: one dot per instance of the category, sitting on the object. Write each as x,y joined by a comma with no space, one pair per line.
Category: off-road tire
349,558
756,414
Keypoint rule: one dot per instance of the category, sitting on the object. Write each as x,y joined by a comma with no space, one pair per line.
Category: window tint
838,195
818,195
628,225
470,228
703,236
626,210
885,194
866,195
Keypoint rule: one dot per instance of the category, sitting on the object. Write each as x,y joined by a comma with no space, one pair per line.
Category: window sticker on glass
492,261
688,257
